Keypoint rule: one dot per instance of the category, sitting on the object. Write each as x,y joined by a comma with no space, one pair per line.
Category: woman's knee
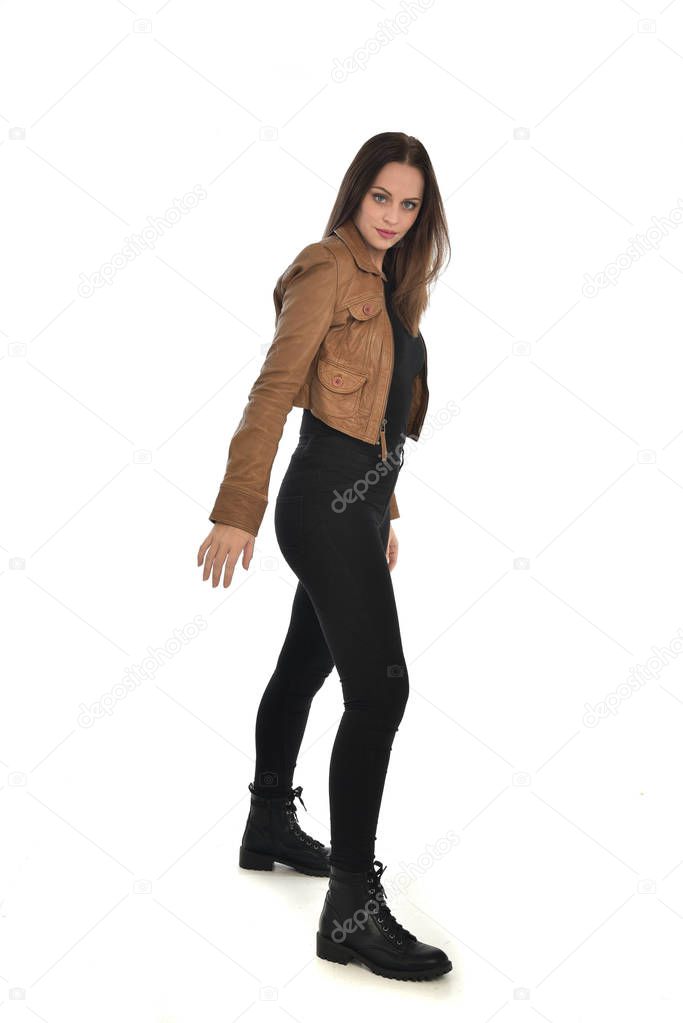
397,691
383,694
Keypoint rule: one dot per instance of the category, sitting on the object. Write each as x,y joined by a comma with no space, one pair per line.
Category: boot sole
260,861
334,952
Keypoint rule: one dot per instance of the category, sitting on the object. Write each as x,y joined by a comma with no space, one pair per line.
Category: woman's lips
386,234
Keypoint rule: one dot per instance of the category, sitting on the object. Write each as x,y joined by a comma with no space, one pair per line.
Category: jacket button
367,309
337,380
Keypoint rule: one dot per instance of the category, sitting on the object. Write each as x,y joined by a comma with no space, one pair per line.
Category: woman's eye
378,195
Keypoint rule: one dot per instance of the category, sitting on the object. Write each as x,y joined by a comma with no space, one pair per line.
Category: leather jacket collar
355,243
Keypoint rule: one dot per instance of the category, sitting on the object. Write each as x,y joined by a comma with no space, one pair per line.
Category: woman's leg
302,666
342,563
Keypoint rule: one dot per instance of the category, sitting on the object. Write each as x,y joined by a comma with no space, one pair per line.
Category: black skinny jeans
344,615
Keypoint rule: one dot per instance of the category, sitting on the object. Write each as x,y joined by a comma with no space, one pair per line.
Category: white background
555,134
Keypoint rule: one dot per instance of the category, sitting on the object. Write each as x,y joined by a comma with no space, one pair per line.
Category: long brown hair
416,261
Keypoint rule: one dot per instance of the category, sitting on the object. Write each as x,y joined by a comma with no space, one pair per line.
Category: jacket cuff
240,508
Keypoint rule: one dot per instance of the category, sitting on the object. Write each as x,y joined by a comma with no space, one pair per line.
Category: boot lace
290,813
385,918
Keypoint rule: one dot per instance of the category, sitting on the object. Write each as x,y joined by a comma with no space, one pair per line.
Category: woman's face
390,207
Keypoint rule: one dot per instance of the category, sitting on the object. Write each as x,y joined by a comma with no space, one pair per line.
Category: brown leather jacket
332,353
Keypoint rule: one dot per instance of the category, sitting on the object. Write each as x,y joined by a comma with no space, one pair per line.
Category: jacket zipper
382,438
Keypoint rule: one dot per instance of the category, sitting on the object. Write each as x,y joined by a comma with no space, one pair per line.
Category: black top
408,362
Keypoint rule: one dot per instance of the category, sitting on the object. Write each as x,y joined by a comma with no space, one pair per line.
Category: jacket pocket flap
339,378
364,310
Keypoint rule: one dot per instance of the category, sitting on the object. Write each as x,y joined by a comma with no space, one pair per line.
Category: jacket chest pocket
336,389
354,326
362,322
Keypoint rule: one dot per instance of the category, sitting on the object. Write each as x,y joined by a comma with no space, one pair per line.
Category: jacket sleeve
393,506
308,293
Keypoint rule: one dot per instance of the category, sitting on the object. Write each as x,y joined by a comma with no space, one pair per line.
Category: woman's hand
224,544
392,548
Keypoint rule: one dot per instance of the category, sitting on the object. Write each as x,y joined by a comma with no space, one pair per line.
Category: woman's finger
247,553
203,549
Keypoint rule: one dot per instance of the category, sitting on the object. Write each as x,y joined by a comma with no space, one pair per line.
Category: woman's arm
309,292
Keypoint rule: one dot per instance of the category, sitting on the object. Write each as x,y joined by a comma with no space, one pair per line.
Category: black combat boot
273,833
356,924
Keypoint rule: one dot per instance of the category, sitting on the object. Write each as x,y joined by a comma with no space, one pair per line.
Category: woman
347,349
